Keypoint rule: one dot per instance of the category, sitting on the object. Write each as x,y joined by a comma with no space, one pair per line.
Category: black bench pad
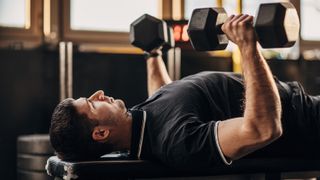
119,168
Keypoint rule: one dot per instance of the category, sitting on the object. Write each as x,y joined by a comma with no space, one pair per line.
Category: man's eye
92,104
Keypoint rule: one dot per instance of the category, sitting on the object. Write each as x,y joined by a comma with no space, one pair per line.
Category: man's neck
127,140
124,134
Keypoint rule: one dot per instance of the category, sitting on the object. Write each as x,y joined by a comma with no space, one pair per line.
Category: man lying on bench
200,121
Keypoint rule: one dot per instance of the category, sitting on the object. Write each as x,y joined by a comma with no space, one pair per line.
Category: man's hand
239,29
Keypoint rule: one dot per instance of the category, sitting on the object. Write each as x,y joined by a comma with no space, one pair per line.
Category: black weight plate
29,175
34,144
31,162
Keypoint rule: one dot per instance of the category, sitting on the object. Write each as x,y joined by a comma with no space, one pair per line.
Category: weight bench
119,167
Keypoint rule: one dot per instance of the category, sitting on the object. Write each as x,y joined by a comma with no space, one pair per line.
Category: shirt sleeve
224,159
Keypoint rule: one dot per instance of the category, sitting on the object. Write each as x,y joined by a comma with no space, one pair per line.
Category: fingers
233,19
237,20
240,19
225,24
239,29
248,20
228,23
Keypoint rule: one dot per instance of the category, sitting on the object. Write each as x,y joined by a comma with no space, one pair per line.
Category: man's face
102,108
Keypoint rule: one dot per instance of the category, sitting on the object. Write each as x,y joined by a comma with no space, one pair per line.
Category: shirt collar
138,128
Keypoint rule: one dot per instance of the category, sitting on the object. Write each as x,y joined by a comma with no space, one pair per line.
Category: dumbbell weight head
148,32
204,29
277,25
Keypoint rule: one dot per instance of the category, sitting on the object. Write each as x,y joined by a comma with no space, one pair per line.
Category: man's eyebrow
87,101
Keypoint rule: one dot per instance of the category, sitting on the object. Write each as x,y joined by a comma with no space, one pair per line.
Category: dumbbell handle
219,29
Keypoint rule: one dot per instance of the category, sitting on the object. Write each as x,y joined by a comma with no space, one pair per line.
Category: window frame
304,44
120,39
26,38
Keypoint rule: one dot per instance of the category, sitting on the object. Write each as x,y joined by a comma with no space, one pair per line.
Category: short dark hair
70,134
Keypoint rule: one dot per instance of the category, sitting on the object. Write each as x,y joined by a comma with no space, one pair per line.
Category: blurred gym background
51,49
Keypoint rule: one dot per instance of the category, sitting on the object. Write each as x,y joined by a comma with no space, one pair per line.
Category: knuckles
242,24
236,23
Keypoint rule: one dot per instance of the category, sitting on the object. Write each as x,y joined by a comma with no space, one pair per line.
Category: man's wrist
249,49
152,54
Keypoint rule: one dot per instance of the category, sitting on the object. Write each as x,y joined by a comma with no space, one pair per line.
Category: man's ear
100,133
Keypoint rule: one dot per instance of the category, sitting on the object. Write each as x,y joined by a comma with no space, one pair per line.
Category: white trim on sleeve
224,159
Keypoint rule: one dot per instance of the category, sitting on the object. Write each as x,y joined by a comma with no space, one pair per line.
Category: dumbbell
276,25
148,33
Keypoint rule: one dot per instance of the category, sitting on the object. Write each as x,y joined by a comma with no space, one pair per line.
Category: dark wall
120,76
305,72
311,76
28,93
196,62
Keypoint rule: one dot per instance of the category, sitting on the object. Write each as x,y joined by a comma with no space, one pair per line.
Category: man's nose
97,95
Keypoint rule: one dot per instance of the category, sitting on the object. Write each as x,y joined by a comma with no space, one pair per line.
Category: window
100,22
230,6
20,23
101,15
15,13
250,7
190,5
310,15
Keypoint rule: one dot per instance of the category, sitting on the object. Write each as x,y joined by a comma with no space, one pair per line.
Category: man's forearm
262,103
157,74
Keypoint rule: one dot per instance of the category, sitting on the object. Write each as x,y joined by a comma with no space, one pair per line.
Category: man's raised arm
261,122
156,72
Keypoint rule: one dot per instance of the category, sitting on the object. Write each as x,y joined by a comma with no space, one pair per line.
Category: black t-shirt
181,118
